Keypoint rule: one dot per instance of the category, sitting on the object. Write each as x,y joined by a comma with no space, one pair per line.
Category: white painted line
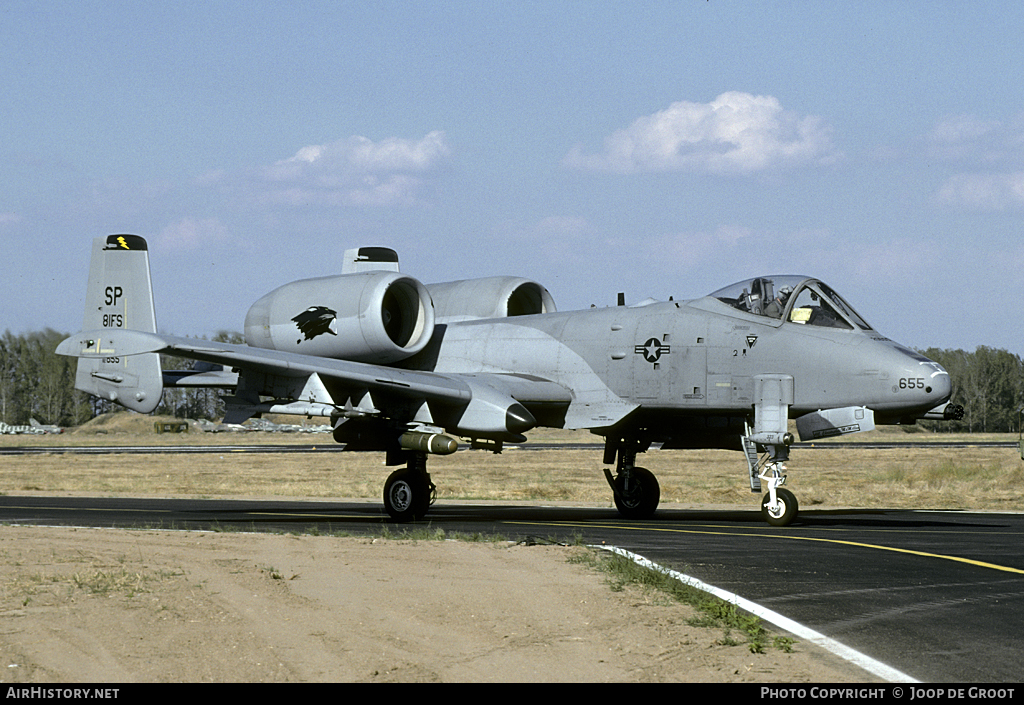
853,656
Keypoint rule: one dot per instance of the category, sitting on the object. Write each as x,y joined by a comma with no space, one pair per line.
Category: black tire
406,495
785,513
639,499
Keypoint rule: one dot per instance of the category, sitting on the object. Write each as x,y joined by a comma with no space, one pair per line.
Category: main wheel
784,513
638,497
406,495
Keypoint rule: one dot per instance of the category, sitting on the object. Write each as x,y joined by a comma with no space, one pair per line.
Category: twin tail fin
119,298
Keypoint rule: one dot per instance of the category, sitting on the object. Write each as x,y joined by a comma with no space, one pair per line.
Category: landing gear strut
408,492
636,489
773,395
778,506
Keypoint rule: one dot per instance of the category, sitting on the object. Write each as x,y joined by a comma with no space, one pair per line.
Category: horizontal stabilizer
118,365
835,422
110,342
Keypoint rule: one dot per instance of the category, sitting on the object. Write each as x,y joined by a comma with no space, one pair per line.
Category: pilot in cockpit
777,305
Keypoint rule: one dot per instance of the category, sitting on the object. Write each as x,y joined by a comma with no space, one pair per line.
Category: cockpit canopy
792,298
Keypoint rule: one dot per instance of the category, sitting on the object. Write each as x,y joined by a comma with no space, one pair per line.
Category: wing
490,406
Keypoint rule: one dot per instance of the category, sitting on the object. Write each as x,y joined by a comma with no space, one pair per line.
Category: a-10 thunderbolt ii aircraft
406,368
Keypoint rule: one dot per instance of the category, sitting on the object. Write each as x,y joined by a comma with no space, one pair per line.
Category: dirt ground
122,606
119,606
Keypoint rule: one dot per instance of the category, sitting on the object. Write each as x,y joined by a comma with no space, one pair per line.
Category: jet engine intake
489,297
379,317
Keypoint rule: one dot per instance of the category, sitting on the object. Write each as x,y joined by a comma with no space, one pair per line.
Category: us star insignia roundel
652,350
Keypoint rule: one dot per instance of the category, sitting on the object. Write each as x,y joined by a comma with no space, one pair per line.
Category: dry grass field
971,478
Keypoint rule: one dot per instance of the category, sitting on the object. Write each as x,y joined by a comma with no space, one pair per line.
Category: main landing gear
636,490
408,491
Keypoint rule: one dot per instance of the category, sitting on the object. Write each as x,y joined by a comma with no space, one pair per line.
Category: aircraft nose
942,385
920,387
940,382
929,383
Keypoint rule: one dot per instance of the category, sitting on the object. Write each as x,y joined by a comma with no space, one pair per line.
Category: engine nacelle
490,297
379,317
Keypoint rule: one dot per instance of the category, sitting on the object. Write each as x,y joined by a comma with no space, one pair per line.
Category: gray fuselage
697,358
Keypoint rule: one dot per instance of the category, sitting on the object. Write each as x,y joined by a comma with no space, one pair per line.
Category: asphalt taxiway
328,446
937,595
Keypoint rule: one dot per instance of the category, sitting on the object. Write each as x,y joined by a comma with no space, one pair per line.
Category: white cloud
970,139
735,133
357,171
984,191
957,129
992,152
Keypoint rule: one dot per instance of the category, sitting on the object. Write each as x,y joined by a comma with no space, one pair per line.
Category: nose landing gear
778,506
774,394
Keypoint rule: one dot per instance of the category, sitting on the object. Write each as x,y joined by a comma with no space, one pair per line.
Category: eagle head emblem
314,321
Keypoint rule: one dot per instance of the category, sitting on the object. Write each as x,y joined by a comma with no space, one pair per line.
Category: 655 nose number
910,383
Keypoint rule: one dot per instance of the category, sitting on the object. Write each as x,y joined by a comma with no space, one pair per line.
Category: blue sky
658,149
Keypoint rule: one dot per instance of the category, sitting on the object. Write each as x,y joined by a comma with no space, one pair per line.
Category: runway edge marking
842,650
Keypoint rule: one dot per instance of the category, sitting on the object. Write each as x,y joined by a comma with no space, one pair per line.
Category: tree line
37,383
989,383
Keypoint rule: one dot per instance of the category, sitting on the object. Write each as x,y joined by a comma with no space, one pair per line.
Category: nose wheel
782,511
